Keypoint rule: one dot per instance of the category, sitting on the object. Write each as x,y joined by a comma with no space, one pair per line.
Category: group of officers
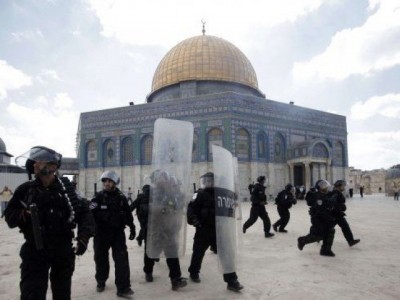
47,210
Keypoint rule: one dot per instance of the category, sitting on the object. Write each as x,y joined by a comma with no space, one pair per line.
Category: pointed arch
127,155
243,144
109,154
214,137
146,148
279,148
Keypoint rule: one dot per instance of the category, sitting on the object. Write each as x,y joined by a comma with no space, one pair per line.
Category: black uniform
284,201
258,202
340,208
323,221
201,214
112,213
58,212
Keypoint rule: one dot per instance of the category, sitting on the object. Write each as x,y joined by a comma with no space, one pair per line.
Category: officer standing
258,202
46,210
284,202
323,219
338,189
112,213
163,226
141,205
201,214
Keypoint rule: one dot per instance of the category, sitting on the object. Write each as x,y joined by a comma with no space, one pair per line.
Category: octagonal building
208,81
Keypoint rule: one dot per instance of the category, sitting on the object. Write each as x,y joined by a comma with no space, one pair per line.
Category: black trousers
172,263
348,235
35,266
284,217
351,193
255,212
102,242
204,238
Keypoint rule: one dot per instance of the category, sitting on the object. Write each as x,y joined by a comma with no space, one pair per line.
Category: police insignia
92,205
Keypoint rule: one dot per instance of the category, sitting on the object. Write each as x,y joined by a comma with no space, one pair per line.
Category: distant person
6,194
351,189
284,202
258,202
396,193
362,191
380,190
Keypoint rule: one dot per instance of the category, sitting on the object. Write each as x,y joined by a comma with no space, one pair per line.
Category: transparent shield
238,211
225,208
169,188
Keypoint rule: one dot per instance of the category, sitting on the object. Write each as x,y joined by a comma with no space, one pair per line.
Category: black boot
326,252
125,293
304,240
178,283
101,285
195,278
268,234
149,277
353,242
234,286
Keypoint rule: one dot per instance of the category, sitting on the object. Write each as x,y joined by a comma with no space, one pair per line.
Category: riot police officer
201,214
338,189
323,219
141,205
163,226
258,202
284,201
112,213
46,211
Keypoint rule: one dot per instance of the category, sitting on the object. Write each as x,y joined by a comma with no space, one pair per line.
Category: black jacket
285,199
111,210
58,216
141,204
258,196
201,210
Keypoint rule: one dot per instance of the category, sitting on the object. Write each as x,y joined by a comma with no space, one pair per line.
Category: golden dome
204,57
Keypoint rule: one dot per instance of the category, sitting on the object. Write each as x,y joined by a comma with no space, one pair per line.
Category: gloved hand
133,234
81,247
196,223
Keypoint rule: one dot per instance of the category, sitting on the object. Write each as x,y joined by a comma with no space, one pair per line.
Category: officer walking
258,202
201,214
284,202
112,213
46,210
323,219
338,189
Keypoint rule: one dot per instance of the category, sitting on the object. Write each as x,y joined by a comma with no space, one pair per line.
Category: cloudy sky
60,58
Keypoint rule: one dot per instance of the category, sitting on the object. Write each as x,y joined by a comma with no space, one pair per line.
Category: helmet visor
38,154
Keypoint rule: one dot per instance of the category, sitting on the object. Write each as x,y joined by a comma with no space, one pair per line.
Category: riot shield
238,210
225,208
169,188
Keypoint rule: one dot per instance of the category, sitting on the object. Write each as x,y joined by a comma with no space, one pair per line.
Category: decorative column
307,176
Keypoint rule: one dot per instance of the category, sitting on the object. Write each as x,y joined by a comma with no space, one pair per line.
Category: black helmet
207,180
322,186
38,153
288,187
146,189
260,179
340,182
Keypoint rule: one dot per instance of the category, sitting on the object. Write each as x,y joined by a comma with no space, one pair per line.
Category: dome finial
204,27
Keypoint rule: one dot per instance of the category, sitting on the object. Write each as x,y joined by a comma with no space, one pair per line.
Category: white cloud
381,152
30,35
159,22
11,78
53,124
387,105
364,50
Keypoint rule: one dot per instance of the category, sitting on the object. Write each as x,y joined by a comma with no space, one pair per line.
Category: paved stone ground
268,268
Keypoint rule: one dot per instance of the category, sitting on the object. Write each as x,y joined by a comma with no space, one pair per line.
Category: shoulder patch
92,205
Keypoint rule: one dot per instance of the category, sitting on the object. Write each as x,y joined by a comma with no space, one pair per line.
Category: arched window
242,144
261,145
338,155
109,153
215,137
127,151
91,153
195,149
320,150
146,150
279,148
